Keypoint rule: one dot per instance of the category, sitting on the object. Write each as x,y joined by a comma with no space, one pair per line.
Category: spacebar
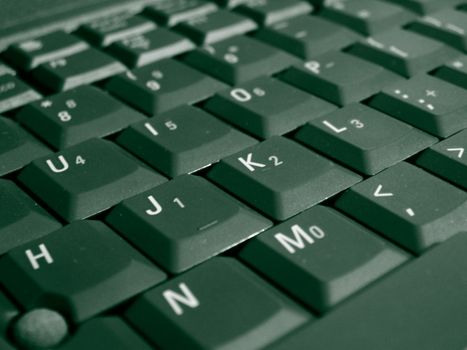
421,306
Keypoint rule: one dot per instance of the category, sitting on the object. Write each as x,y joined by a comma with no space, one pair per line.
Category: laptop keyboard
237,174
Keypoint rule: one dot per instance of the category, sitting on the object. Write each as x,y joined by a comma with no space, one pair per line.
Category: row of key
274,145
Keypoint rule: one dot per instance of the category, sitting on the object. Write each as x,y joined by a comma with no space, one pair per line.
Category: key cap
4,69
454,72
448,159
366,16
43,273
265,107
321,257
404,52
172,12
8,312
280,177
14,93
161,86
29,54
239,59
409,206
448,26
77,115
307,36
231,3
17,147
187,312
183,140
185,222
85,67
105,31
432,286
105,333
22,219
267,12
86,179
363,138
215,26
149,47
339,78
423,7
427,103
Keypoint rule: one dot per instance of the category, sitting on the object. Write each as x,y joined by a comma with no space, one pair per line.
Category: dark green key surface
280,177
421,306
423,7
218,305
77,115
8,312
29,54
448,159
239,59
266,106
183,140
22,219
81,270
427,103
184,222
17,147
409,206
86,179
84,67
364,138
339,78
163,85
455,71
15,93
307,36
321,257
404,52
106,333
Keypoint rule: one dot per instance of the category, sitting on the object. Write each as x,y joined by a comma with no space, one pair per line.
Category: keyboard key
448,159
172,12
307,36
265,107
29,54
210,307
4,69
366,16
22,219
448,26
14,93
409,206
185,222
8,312
85,67
149,47
239,59
43,273
432,286
321,257
111,332
339,78
454,72
231,3
363,138
17,147
76,115
161,86
267,12
86,179
105,31
183,140
404,52
280,177
424,7
426,102
215,26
